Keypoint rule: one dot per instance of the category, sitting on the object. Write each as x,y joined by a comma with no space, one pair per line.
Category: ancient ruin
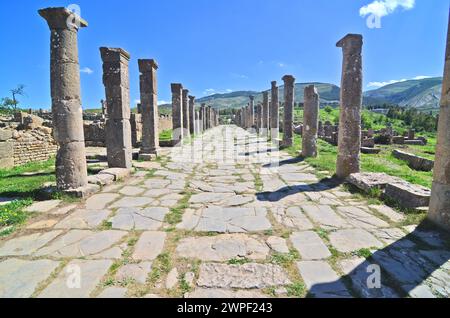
118,127
350,109
71,169
311,122
177,113
274,113
289,89
186,116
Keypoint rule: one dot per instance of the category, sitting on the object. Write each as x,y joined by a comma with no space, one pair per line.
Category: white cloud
281,64
213,91
382,8
241,76
86,70
381,84
137,101
162,102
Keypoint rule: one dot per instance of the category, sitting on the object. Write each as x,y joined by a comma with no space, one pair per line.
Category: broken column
192,121
310,122
439,211
71,170
289,86
117,91
177,114
274,112
265,114
349,139
186,122
149,109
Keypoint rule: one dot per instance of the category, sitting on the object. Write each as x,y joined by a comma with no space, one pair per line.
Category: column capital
351,42
147,65
192,98
185,92
114,54
62,18
252,98
274,84
176,87
288,79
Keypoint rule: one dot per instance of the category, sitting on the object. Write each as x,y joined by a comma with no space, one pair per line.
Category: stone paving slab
149,246
350,240
325,216
83,219
26,245
77,280
138,219
19,278
310,245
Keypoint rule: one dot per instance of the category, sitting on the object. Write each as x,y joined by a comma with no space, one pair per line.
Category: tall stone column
117,91
197,122
439,211
265,113
203,116
149,108
251,117
192,114
310,122
274,112
349,142
289,87
258,113
71,169
177,114
186,122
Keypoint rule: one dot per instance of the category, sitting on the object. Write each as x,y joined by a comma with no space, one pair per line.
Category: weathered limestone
149,105
311,122
289,83
265,113
274,112
439,211
251,117
351,101
117,91
177,114
71,170
186,122
192,120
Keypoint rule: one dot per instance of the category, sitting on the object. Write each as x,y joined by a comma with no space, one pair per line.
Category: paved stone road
218,218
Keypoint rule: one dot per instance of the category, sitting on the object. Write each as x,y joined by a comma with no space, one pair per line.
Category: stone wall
18,147
94,134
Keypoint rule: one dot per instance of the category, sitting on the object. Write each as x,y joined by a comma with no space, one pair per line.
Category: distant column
149,108
310,122
186,122
349,140
274,112
439,211
258,118
71,170
192,114
265,113
177,113
203,117
251,118
289,83
117,91
197,122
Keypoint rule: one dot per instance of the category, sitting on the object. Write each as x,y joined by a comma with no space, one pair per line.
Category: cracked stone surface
222,216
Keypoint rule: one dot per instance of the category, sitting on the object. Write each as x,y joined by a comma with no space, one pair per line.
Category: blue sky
225,45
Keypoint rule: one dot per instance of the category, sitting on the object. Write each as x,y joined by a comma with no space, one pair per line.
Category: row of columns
186,119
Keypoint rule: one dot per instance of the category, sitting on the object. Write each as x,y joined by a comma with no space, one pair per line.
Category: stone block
5,134
367,181
398,140
414,162
370,151
408,195
414,142
118,173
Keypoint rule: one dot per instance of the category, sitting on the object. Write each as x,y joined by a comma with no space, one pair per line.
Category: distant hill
423,94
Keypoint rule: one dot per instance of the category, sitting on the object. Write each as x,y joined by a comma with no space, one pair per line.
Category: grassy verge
166,135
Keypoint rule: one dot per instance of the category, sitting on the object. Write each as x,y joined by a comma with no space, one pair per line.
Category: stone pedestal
265,114
349,143
71,170
310,122
439,211
186,122
117,91
192,121
274,116
289,89
149,108
177,114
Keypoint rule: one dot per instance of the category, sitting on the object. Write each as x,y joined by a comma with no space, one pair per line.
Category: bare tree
18,91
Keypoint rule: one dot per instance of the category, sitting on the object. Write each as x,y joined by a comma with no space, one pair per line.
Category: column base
148,156
83,192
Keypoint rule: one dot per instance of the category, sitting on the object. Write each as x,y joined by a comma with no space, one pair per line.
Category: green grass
165,135
13,213
382,162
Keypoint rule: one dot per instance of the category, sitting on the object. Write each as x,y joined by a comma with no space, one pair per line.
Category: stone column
192,114
439,211
310,122
265,113
203,116
149,108
258,113
186,122
117,91
274,112
177,114
289,86
349,138
251,117
197,122
71,170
